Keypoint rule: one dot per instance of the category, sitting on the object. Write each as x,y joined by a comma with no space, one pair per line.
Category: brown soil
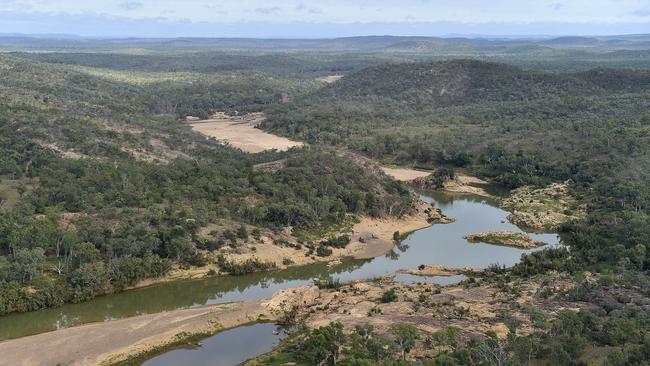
370,237
241,132
66,153
405,174
160,153
472,311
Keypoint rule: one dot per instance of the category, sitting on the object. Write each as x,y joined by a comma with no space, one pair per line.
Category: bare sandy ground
466,184
330,78
240,132
94,344
405,174
370,237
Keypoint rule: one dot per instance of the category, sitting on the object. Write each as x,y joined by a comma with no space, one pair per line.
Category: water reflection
439,244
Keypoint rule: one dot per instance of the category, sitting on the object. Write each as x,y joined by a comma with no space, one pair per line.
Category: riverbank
369,238
113,341
440,244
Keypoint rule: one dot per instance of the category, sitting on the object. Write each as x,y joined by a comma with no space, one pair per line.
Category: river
438,244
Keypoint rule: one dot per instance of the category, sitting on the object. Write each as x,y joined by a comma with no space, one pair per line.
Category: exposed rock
286,299
507,238
543,209
429,270
435,216
456,184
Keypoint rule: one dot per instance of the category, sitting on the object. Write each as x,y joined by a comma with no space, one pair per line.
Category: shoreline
112,342
370,238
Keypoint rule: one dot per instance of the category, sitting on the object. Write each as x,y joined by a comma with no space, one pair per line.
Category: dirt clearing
330,78
241,132
405,174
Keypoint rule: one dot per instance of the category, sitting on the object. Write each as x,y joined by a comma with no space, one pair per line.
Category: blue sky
325,18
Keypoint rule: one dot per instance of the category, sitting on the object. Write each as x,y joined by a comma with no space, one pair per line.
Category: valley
354,201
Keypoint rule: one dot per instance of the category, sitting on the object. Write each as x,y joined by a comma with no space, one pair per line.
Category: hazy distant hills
374,43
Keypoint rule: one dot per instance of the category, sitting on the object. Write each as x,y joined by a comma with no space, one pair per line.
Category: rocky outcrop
507,238
287,299
543,209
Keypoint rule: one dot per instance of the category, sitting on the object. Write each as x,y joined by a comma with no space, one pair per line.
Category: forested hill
102,186
464,111
514,126
470,81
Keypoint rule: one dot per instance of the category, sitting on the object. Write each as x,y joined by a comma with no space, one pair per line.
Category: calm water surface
439,244
228,348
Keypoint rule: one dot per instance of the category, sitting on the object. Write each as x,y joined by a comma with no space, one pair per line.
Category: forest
100,219
102,186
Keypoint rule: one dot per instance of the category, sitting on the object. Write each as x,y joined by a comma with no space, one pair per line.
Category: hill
105,191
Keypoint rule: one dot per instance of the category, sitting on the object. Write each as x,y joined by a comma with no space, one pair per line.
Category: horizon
296,19
488,37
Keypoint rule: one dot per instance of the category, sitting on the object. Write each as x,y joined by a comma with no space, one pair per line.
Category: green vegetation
111,191
515,127
101,186
241,268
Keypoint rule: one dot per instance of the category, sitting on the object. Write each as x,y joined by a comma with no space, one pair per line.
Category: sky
323,18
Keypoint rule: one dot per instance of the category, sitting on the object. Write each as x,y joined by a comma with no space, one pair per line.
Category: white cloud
489,13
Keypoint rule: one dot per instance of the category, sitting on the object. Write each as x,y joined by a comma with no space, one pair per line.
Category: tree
492,352
405,337
27,264
242,232
323,345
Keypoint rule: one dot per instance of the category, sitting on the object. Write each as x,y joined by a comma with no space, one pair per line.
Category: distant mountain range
366,43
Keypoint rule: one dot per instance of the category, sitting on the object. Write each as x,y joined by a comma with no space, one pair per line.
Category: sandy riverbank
370,237
98,343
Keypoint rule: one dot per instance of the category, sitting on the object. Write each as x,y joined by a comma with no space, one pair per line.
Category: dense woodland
101,186
91,204
516,127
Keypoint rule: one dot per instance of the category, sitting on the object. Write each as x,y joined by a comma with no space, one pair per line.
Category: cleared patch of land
405,174
241,132
330,78
467,184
